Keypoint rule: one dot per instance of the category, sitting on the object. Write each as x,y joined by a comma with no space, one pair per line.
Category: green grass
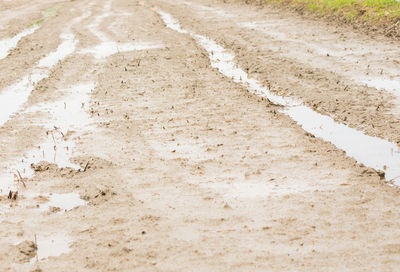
45,14
38,22
374,11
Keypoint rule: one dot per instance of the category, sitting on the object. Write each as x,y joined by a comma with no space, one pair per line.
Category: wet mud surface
153,146
336,72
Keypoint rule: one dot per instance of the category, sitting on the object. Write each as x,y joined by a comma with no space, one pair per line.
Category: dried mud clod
43,166
371,172
54,209
52,169
381,174
26,250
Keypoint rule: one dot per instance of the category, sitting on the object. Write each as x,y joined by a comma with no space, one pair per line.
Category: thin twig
36,245
54,140
86,166
21,179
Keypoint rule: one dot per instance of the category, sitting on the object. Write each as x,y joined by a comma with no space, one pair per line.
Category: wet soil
179,167
327,67
384,26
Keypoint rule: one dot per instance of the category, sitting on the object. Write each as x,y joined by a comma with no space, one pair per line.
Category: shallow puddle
370,151
6,45
65,202
66,114
51,246
390,85
7,182
14,97
55,149
321,48
108,47
69,111
66,48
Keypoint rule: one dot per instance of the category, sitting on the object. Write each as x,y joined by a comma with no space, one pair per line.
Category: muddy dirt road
197,135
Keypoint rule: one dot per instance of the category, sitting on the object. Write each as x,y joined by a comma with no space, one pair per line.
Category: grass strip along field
382,13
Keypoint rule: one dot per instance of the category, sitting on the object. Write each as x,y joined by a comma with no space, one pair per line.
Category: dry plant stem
20,179
52,135
86,167
36,245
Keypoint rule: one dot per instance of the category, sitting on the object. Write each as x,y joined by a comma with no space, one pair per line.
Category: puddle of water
349,54
106,49
6,45
66,48
14,97
371,151
171,22
66,114
51,246
65,202
390,85
224,62
7,183
54,150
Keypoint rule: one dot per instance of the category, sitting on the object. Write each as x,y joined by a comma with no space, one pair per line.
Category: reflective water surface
6,45
373,152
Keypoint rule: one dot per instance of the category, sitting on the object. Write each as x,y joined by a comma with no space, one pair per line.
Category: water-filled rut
373,152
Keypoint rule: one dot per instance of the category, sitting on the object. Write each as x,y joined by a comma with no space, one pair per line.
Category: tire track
373,152
12,98
6,45
68,113
107,46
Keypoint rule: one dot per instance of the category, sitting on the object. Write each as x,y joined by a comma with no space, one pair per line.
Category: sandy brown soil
16,15
184,169
323,65
387,27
